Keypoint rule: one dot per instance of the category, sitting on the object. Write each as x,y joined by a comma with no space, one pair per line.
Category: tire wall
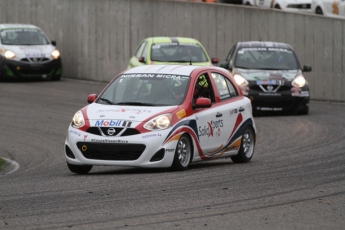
96,38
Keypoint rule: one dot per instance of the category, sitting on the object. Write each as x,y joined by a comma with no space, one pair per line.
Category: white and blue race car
162,116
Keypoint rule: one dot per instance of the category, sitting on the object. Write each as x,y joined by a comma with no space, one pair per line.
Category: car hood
182,63
255,75
30,49
97,111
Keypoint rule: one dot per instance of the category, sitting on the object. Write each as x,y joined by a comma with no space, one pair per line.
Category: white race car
27,53
286,5
162,116
331,8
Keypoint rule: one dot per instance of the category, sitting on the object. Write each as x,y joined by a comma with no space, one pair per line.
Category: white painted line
13,165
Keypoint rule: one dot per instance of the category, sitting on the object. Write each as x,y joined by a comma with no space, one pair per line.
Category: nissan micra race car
270,74
170,50
162,116
27,53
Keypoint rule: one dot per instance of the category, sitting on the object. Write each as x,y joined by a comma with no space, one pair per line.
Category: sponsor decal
151,135
233,111
269,109
170,150
124,110
181,113
152,75
108,141
212,127
270,94
270,82
85,136
75,133
113,123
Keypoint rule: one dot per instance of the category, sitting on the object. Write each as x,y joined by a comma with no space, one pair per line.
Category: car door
227,111
206,117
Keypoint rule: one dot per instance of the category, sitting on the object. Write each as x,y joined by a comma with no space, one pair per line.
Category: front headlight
299,81
9,54
159,123
241,81
56,54
78,120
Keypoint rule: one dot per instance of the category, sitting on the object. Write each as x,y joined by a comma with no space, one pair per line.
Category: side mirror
91,98
53,43
214,60
141,59
203,102
306,68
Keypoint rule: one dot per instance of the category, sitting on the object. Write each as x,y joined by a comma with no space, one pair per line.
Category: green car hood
183,63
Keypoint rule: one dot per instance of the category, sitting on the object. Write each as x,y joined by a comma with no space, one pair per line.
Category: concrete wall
97,37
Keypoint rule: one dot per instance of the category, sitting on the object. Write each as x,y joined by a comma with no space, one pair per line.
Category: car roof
172,40
263,44
14,26
171,69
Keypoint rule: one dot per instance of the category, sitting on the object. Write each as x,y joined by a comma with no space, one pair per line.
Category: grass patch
2,163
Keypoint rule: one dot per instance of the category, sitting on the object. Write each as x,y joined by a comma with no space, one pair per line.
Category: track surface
296,179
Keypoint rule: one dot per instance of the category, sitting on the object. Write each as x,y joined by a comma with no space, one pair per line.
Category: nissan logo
270,88
111,131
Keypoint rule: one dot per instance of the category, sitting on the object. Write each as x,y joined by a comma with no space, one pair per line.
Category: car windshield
24,36
146,90
266,58
177,52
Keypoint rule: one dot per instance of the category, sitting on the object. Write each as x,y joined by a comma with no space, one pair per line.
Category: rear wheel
183,153
277,7
246,151
79,169
318,11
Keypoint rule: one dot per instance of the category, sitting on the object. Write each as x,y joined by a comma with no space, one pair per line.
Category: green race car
171,50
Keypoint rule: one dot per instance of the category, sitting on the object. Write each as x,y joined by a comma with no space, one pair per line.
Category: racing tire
79,169
183,154
277,7
318,11
246,151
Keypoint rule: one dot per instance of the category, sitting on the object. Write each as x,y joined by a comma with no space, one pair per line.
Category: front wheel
246,151
79,169
183,153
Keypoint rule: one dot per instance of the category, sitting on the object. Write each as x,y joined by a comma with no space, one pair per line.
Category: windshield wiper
134,103
106,100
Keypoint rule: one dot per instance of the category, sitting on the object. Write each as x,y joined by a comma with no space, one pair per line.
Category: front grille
111,151
275,88
35,60
119,132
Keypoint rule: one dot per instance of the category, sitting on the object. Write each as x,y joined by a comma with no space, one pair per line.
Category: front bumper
280,102
21,69
140,150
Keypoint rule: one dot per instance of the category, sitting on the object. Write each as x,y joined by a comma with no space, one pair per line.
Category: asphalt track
296,179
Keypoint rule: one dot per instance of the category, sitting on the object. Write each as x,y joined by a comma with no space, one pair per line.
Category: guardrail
97,38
